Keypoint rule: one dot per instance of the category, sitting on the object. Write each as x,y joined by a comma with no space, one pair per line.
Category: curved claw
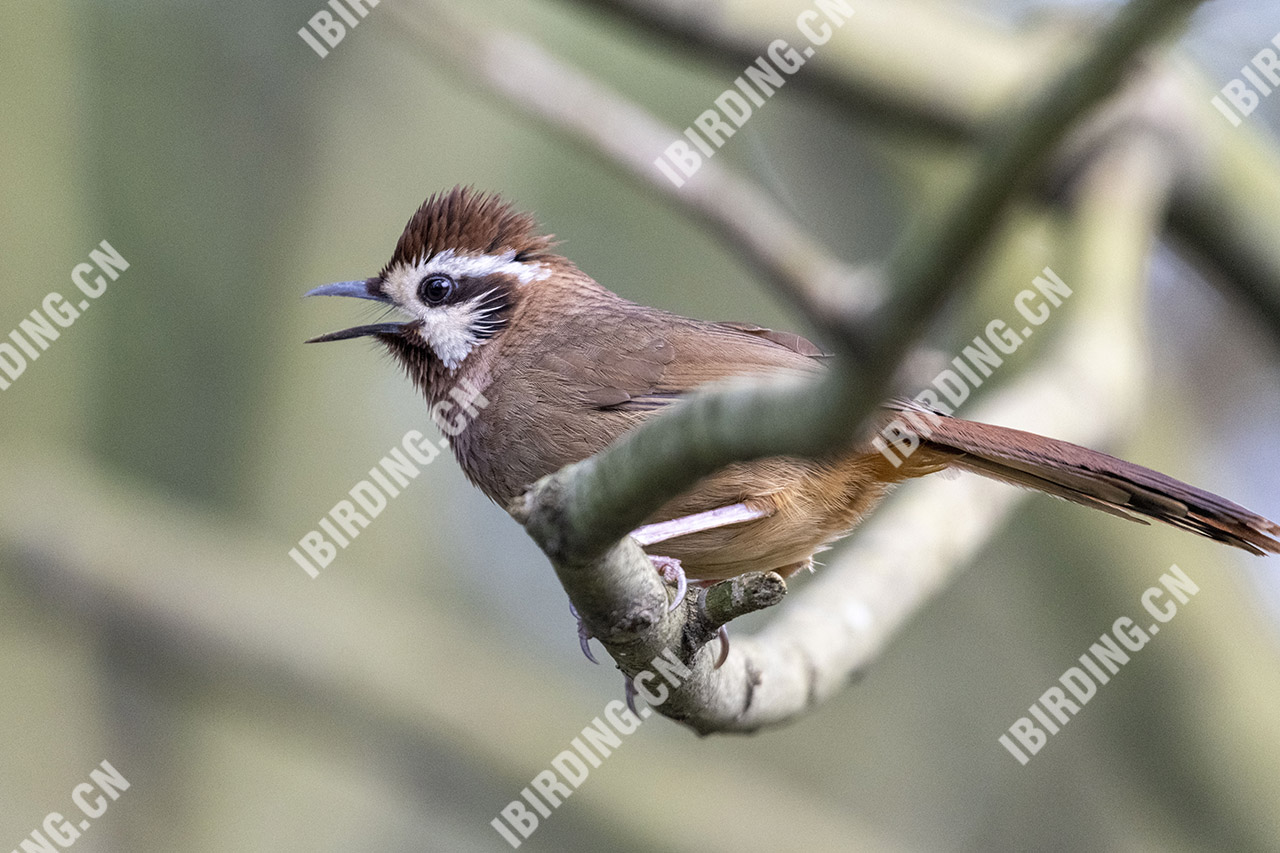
682,586
630,692
584,636
724,647
672,572
584,642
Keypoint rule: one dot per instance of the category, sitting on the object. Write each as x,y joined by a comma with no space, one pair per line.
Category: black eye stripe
459,290
488,298
491,297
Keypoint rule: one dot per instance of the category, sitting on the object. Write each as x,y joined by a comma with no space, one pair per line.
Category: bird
567,367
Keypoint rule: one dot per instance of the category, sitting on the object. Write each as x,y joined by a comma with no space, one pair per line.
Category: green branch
579,512
581,515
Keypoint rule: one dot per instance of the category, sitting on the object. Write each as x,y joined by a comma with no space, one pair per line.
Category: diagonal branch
1220,210
896,60
624,136
580,512
1224,210
843,618
580,516
1009,164
1083,391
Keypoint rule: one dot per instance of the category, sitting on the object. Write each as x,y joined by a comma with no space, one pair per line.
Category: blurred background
165,454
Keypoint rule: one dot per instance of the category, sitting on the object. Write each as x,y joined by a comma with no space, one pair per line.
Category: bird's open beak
366,289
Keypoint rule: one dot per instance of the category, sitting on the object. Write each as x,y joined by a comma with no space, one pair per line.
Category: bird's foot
671,571
584,636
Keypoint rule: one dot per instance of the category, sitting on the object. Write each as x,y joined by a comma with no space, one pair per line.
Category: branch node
729,599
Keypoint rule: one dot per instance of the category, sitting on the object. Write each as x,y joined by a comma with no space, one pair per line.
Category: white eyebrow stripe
450,263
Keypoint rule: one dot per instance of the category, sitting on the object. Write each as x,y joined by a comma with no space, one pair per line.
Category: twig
744,594
1219,214
215,613
908,551
1224,211
624,136
909,81
581,511
581,515
1084,391
920,278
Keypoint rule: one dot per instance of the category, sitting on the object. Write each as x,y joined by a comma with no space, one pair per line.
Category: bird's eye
435,289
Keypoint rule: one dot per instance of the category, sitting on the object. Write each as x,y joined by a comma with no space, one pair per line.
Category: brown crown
470,222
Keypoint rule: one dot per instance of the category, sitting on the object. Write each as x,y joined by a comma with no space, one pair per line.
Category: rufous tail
1093,479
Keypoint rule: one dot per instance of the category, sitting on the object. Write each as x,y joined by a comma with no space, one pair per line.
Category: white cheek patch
451,330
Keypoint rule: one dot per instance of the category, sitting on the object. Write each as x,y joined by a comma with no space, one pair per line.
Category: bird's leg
721,516
669,568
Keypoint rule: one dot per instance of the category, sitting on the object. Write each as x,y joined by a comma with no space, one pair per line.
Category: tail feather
1093,479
